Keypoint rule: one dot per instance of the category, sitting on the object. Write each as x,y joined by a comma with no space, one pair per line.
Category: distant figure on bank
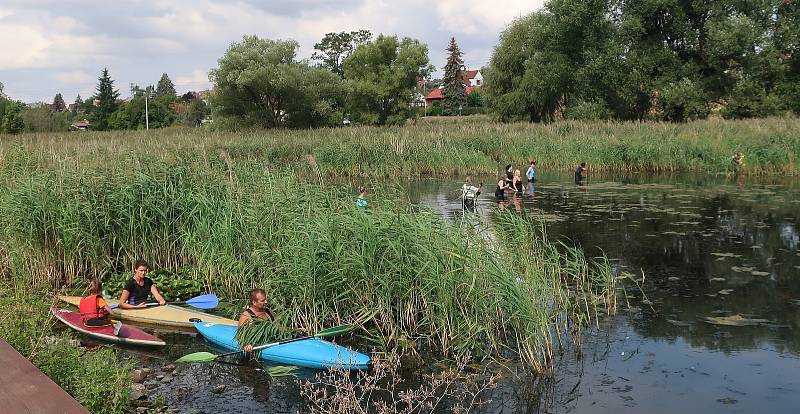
93,308
257,310
469,194
361,201
580,173
139,287
516,182
531,173
738,159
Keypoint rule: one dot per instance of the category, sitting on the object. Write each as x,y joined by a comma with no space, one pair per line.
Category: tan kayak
167,315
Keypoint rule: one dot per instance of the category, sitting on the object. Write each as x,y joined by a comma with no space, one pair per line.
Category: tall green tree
106,98
165,87
453,91
260,83
77,106
382,75
334,48
58,103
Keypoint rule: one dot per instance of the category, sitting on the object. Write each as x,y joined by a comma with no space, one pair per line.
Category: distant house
472,80
81,125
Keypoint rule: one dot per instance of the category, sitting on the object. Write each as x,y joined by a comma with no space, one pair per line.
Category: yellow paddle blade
198,357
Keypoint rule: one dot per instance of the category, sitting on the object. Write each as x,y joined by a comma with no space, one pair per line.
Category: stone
137,391
141,410
159,377
138,375
168,368
219,389
167,378
147,371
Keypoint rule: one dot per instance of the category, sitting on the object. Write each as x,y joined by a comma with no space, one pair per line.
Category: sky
49,46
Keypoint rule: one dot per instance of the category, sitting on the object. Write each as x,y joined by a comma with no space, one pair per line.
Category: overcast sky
50,46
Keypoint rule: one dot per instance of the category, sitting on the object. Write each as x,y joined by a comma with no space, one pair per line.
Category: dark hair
361,189
583,164
95,286
141,262
533,162
508,167
254,294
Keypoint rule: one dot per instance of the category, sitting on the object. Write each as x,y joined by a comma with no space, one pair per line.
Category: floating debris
682,324
742,269
673,278
724,255
734,320
725,291
717,279
757,273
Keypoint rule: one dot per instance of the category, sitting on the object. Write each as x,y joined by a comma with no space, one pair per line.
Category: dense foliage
622,59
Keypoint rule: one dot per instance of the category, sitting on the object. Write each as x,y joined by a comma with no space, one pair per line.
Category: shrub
684,101
749,99
588,111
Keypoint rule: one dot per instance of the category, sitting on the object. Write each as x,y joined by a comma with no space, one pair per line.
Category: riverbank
442,148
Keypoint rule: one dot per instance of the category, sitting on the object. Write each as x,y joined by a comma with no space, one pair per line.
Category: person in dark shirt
580,173
139,287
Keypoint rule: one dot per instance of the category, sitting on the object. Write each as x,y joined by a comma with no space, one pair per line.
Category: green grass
473,145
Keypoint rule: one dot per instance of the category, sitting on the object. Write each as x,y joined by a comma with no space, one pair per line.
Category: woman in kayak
139,288
93,308
257,310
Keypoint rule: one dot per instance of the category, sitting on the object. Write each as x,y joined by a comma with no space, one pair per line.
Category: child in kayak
257,310
93,308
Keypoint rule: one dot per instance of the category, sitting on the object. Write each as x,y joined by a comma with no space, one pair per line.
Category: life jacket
89,309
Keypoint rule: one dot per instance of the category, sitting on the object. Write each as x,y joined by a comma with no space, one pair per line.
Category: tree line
648,59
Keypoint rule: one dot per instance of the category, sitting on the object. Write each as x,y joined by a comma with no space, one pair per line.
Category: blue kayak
309,353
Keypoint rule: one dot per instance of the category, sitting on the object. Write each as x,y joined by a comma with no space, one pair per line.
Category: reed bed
408,277
429,148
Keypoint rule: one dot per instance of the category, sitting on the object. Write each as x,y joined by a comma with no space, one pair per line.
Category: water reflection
711,248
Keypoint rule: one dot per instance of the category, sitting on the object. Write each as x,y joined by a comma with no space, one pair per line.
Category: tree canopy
334,48
165,87
106,98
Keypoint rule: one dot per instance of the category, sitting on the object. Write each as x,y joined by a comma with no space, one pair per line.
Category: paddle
209,301
209,357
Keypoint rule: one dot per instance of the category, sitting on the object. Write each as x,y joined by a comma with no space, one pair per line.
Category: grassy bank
411,278
435,147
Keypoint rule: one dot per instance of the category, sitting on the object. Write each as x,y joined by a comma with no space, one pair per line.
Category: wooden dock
24,389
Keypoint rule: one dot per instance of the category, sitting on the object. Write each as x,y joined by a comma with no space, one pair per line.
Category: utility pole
146,111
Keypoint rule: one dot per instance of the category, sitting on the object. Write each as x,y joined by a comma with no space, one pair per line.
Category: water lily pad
734,320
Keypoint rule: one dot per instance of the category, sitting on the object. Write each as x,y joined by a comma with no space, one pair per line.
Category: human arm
123,301
243,319
157,295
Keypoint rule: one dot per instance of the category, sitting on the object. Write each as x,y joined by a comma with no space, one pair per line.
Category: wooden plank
25,389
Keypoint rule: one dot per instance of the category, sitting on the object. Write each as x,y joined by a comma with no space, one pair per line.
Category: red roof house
472,80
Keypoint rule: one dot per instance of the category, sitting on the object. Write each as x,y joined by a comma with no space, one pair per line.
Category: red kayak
127,335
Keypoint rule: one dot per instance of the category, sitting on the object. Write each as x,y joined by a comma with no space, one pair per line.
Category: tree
334,48
77,105
12,121
259,82
42,119
453,91
195,113
165,87
382,75
106,98
58,103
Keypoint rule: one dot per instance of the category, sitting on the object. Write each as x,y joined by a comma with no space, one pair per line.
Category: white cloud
473,16
74,76
197,80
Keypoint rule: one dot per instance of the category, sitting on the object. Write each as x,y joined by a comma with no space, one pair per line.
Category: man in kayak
138,289
93,308
257,310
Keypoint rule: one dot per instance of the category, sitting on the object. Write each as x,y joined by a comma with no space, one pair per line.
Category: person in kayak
257,310
139,288
469,194
361,201
93,308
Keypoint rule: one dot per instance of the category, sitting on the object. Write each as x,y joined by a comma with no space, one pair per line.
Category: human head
516,173
469,179
362,190
258,298
533,162
583,164
95,287
508,167
140,267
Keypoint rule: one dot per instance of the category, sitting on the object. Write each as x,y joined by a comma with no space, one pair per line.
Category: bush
749,99
684,101
435,109
588,111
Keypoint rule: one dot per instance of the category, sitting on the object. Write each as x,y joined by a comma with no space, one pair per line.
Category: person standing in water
469,194
502,186
580,173
531,173
361,201
516,183
509,174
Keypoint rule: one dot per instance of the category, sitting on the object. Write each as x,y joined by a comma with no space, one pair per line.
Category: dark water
709,247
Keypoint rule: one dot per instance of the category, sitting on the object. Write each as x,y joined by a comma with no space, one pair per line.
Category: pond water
715,328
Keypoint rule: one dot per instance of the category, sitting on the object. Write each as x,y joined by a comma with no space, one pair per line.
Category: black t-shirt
138,294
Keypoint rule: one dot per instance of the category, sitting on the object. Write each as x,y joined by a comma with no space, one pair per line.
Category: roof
79,124
469,74
436,93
